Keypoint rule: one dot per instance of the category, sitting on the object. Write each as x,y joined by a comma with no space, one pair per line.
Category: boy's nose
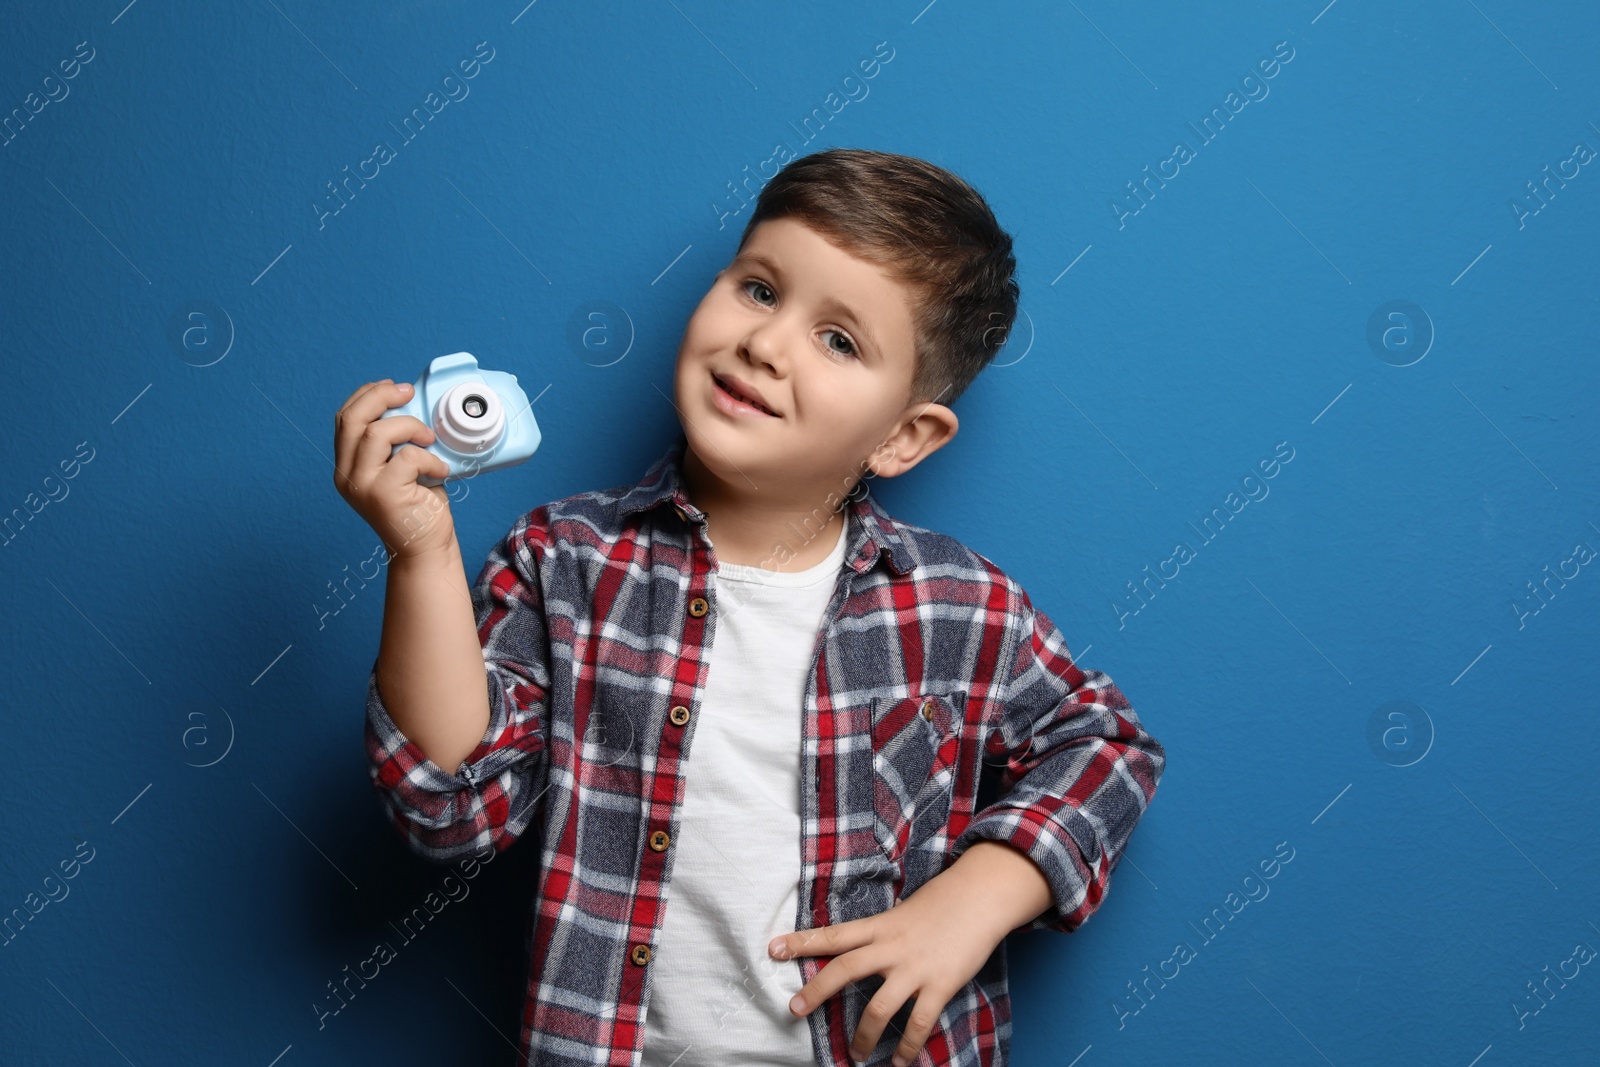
766,344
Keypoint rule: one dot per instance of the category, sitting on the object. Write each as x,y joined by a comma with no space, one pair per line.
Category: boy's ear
926,429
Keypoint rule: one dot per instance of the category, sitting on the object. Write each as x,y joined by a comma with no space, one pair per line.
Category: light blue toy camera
481,419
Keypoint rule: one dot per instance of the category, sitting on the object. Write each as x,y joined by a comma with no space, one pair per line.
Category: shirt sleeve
489,800
1077,769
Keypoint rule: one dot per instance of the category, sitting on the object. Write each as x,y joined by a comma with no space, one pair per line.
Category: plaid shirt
942,709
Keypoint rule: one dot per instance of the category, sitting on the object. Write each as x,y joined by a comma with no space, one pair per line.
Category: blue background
184,697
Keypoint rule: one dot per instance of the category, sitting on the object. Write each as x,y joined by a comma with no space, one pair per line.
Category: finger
377,441
363,407
353,397
413,460
876,1016
834,976
347,429
822,940
344,417
925,1012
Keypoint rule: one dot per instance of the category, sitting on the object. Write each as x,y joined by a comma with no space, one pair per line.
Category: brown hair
925,226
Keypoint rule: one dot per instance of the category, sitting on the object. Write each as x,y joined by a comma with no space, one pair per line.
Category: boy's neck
788,531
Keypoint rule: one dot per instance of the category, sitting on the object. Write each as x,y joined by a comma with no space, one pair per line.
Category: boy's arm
469,680
429,660
1077,770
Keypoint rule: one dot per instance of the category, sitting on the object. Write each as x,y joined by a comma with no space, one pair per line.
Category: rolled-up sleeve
1076,770
491,798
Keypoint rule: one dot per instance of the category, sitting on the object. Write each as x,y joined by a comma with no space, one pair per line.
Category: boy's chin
742,465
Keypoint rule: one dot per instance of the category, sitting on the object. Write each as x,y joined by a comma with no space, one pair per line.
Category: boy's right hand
413,520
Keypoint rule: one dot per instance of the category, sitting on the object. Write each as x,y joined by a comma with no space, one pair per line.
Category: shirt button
659,840
680,715
641,954
697,606
927,710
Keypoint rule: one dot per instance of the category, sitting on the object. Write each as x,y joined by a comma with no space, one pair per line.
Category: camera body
481,419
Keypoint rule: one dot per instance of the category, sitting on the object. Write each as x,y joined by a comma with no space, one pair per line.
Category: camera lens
470,418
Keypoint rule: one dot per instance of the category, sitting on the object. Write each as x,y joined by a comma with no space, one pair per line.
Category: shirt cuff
1041,831
399,766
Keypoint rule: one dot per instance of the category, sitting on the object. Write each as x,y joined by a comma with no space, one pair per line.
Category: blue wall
1352,271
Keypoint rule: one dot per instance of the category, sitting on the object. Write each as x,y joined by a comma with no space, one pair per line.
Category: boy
740,703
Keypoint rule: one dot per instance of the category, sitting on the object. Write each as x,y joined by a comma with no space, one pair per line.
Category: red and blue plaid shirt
942,708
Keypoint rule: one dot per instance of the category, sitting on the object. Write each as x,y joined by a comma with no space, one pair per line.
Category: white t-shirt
716,997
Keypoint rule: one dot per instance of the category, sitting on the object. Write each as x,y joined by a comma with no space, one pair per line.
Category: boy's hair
926,227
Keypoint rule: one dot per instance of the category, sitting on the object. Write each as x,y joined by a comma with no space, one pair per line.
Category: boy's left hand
927,946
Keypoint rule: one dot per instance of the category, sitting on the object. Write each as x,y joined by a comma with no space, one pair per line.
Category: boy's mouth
742,395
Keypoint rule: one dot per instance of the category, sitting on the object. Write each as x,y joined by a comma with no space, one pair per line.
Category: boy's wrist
426,560
1002,884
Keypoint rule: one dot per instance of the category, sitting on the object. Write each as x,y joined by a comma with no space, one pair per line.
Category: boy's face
824,339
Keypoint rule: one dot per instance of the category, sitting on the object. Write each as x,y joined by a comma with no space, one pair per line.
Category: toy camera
481,419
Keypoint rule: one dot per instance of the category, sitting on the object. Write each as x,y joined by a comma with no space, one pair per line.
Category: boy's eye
753,284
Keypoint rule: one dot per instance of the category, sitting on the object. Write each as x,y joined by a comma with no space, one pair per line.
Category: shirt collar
871,532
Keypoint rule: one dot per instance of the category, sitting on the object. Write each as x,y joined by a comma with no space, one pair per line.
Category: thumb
438,466
418,460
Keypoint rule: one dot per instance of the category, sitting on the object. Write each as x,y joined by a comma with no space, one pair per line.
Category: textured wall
1372,275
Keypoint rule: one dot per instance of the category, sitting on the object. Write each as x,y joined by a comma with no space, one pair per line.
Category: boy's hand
927,946
411,518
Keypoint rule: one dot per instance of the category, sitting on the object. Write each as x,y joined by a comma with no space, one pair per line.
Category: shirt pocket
915,745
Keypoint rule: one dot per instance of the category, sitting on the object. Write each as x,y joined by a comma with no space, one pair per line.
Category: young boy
757,724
